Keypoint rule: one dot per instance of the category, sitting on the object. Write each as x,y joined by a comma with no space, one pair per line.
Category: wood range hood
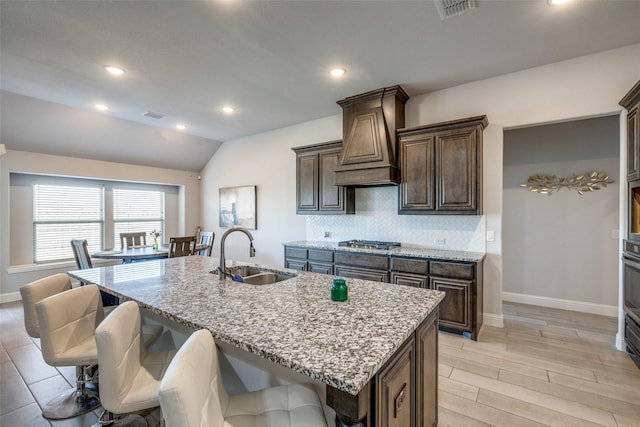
370,121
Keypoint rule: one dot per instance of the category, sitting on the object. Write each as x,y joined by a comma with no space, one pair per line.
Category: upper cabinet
441,168
631,102
316,190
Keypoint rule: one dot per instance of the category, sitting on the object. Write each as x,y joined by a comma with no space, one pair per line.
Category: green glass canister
339,290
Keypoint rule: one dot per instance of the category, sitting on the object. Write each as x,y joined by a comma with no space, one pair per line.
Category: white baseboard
495,320
10,297
563,304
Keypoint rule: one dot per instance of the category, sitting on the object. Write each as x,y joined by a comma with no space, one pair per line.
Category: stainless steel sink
258,276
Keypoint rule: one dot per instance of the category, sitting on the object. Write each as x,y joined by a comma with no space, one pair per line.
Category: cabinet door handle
399,400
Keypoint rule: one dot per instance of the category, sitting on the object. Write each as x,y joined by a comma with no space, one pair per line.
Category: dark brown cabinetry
441,168
362,266
631,102
410,272
461,309
316,192
395,385
313,260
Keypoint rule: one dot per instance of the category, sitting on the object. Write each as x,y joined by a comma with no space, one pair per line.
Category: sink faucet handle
252,250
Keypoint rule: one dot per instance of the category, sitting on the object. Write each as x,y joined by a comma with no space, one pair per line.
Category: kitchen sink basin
257,276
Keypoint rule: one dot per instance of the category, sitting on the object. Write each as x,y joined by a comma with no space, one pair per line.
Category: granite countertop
410,251
293,323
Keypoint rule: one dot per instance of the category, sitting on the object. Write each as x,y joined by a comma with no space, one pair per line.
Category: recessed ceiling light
338,72
102,107
228,109
558,2
116,71
181,126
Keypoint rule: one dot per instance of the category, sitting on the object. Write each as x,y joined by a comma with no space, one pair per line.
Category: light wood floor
545,368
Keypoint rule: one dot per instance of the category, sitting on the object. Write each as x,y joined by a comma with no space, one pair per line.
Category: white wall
581,87
12,277
558,249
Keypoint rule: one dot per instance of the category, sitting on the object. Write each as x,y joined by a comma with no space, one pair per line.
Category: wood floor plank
444,370
549,365
448,418
525,394
495,362
611,391
486,414
459,389
468,365
584,396
533,412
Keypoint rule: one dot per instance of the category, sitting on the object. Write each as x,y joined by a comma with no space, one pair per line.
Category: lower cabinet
455,309
407,386
410,279
361,273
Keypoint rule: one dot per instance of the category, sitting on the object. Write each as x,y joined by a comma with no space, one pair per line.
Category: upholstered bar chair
83,261
37,291
192,394
206,240
67,323
130,374
133,239
181,246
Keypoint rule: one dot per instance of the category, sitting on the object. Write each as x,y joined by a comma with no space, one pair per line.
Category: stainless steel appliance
631,260
369,244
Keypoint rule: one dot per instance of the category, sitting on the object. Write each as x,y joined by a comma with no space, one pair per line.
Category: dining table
137,253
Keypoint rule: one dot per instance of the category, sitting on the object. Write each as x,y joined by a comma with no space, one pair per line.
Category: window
62,213
137,210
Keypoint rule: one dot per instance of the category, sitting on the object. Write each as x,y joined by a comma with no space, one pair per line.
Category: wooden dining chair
182,246
206,241
133,239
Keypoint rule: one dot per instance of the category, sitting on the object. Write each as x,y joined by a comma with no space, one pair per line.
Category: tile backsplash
377,218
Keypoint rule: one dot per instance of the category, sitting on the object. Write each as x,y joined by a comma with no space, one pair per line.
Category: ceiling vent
153,115
449,8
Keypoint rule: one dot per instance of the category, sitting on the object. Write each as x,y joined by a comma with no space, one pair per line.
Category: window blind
136,211
63,213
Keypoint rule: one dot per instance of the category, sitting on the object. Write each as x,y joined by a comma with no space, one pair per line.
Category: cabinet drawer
454,270
320,255
377,262
362,273
295,253
410,279
295,264
320,267
410,265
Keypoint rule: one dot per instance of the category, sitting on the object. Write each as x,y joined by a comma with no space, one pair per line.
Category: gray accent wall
560,246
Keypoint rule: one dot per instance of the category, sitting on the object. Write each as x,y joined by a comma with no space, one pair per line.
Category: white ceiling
269,59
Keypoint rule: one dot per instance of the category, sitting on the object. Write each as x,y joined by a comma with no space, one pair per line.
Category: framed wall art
238,207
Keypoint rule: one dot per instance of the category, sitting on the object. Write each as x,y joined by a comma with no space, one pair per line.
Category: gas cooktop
369,244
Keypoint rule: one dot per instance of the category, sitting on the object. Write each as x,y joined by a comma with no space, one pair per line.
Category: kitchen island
376,352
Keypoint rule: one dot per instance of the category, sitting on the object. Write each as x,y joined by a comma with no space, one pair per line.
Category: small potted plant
155,234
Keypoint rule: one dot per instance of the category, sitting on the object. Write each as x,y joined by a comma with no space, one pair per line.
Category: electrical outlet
491,236
440,242
327,234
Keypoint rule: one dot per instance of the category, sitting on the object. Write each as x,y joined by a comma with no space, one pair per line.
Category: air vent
153,115
449,8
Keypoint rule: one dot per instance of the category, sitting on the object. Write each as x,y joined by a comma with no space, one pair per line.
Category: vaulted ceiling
268,59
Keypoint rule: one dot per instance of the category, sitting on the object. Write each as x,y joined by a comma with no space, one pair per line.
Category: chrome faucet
222,269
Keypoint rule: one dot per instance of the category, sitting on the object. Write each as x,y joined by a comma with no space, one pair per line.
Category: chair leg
108,418
73,402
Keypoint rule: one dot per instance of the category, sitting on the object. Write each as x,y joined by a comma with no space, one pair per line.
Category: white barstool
192,394
130,374
67,322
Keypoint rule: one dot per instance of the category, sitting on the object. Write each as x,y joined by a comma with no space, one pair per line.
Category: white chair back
191,392
37,291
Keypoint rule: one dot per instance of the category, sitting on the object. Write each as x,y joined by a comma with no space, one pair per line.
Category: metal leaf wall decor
547,184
